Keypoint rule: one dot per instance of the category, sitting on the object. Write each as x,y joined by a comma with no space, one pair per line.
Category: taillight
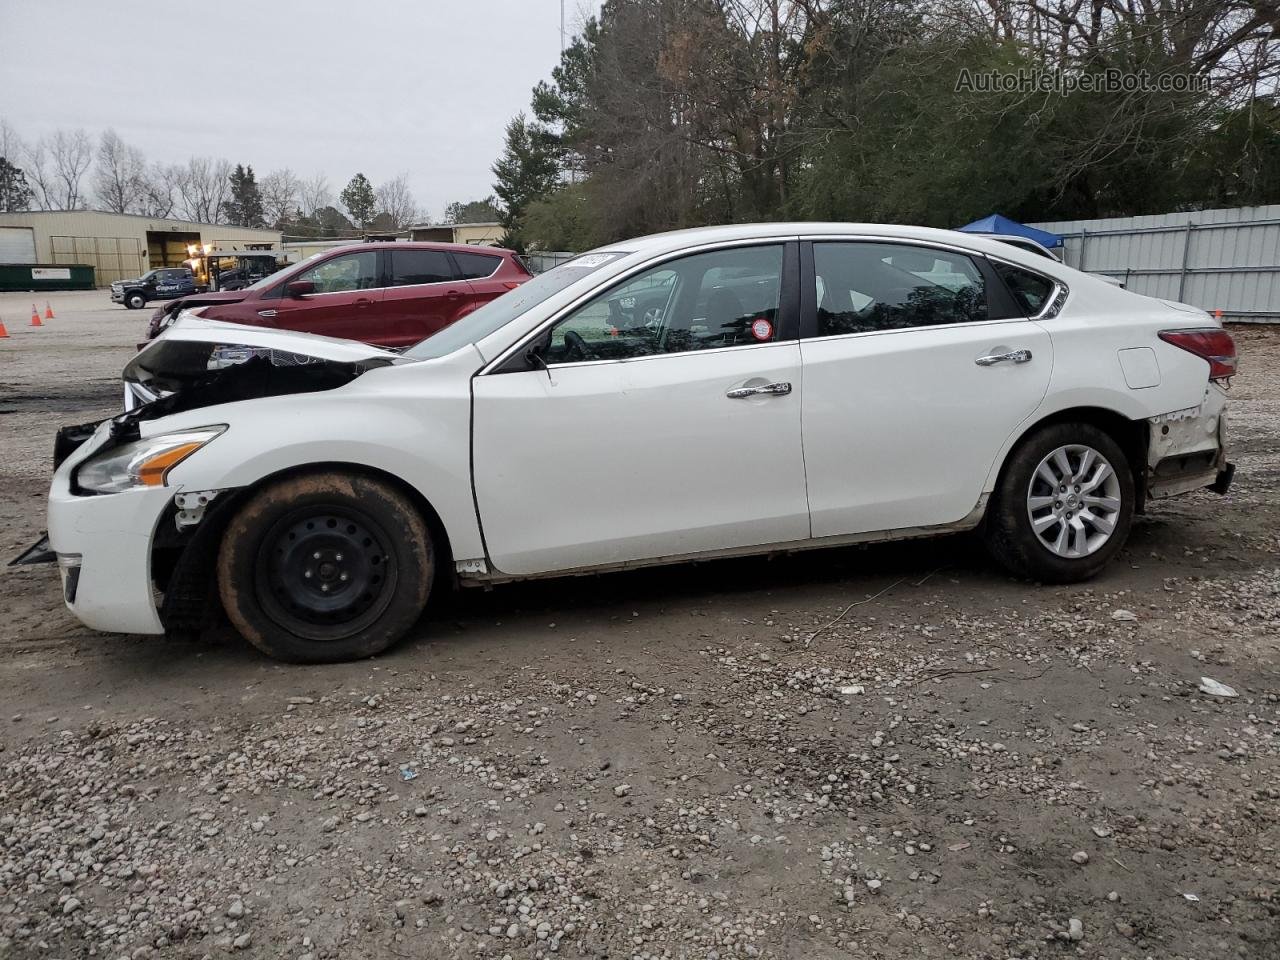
1210,343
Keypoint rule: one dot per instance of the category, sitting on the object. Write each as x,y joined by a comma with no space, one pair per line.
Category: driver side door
662,420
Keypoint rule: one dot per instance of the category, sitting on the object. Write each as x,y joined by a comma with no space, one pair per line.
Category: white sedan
715,392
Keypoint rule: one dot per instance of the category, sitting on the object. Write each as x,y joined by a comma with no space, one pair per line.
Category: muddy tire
1064,505
325,567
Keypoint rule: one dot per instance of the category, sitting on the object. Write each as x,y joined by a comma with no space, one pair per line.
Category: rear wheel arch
1132,435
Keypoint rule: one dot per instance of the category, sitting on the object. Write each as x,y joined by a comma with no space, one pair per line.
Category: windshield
496,314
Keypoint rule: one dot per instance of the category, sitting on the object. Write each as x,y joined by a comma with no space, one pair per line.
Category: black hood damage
189,375
193,374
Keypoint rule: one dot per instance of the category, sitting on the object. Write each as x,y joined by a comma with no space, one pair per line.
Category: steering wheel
575,348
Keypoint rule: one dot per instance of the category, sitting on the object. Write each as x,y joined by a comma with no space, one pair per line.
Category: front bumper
111,535
117,296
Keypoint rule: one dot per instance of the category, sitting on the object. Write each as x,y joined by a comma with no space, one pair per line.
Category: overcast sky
422,87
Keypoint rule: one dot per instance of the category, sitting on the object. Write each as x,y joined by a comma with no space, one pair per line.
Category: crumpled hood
190,348
199,363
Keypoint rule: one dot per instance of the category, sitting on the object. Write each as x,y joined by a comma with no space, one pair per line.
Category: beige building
117,245
477,234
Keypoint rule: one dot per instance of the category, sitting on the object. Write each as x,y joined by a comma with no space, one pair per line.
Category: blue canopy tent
1003,226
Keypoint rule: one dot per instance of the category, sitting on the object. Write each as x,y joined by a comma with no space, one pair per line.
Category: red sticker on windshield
761,329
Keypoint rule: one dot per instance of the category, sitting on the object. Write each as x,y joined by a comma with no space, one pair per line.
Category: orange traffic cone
3,332
35,317
48,311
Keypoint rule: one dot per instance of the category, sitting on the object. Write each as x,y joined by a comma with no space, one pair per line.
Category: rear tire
325,567
1063,506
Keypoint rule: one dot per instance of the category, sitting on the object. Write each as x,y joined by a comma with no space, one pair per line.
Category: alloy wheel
1074,501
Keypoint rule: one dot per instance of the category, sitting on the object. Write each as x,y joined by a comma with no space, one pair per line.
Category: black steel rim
325,572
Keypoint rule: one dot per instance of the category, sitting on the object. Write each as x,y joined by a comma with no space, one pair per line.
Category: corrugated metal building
1226,259
117,245
488,234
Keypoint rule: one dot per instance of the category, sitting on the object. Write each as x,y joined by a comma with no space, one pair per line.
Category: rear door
425,295
347,291
481,270
918,366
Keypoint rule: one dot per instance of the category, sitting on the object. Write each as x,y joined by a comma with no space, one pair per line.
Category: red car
389,294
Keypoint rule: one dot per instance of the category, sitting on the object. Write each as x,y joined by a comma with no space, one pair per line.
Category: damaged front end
199,363
195,364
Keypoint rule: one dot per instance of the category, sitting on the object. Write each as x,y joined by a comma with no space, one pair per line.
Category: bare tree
395,199
203,189
71,153
161,186
119,176
11,146
35,156
314,195
280,190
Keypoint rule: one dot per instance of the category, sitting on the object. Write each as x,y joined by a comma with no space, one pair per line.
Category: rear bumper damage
1188,449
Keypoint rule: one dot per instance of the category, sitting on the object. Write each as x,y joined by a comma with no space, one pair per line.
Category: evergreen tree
15,194
359,199
526,171
244,209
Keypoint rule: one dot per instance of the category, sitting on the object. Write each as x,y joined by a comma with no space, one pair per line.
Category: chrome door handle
779,389
1016,356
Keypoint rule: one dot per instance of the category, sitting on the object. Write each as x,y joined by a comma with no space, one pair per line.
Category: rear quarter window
1030,290
477,266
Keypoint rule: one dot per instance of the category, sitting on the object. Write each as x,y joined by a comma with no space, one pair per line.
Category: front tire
325,567
1064,505
135,301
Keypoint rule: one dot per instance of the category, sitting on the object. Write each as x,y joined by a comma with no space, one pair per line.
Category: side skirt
475,578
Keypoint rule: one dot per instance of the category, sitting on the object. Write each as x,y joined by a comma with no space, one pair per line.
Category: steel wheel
1074,501
325,573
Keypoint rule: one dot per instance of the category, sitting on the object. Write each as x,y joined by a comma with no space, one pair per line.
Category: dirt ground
705,761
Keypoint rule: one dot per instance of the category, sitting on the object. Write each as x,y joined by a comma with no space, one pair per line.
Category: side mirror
299,288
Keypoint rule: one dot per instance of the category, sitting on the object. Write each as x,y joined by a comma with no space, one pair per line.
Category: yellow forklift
220,269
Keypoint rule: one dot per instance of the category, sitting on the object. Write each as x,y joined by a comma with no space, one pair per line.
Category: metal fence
1226,260
541,261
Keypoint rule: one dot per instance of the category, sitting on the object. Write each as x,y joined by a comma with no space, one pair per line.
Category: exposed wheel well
1132,435
187,578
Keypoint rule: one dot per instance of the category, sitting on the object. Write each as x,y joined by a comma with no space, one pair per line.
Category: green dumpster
46,276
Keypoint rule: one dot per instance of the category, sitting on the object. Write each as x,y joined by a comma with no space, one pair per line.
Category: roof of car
675,240
421,245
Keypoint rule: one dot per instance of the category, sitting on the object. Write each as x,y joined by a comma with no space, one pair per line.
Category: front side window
1031,290
477,266
721,299
867,287
411,267
351,271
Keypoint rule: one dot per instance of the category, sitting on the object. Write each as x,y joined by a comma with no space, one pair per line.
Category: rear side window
410,267
867,287
477,266
1031,290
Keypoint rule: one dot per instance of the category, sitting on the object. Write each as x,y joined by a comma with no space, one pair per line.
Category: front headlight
143,463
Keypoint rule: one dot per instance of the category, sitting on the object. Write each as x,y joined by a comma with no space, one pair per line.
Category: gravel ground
879,752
